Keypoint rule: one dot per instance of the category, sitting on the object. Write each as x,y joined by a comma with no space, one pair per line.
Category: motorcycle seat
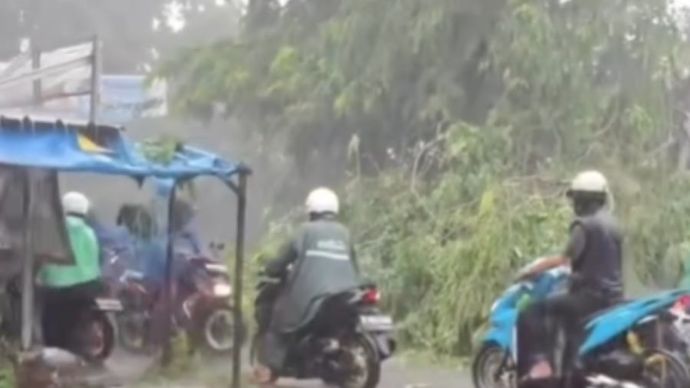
597,313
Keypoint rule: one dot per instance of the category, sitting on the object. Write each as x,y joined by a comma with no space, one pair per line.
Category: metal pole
28,266
36,65
167,292
239,268
95,80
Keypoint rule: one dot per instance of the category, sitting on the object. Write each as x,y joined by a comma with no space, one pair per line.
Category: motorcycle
202,307
633,344
344,344
94,334
91,334
207,313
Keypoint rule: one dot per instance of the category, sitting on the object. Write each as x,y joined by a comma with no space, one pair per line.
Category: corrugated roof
51,123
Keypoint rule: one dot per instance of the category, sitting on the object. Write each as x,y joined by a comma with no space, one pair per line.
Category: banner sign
128,97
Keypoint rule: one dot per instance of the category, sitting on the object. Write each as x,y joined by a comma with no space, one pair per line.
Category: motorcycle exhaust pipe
602,381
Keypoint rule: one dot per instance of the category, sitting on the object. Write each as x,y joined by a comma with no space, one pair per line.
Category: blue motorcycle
633,344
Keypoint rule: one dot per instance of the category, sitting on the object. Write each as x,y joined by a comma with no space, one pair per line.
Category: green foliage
161,150
442,253
459,121
7,377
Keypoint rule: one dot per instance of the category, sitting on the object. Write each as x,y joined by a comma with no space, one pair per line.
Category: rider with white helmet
594,253
322,201
323,262
75,203
70,288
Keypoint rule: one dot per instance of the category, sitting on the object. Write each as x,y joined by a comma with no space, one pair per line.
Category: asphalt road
396,374
399,374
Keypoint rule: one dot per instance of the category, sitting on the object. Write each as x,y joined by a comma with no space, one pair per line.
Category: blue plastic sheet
102,150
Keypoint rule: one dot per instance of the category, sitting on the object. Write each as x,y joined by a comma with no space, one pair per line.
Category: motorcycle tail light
372,296
683,303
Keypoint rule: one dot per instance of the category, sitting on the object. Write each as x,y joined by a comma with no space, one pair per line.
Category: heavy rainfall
354,194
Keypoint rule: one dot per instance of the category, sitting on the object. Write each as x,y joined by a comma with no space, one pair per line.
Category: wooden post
167,356
36,66
95,80
28,267
239,268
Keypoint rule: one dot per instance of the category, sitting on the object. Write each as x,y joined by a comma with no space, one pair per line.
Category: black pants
263,305
62,309
273,344
538,324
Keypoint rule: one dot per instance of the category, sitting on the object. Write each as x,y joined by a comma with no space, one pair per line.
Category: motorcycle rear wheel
664,369
96,337
364,369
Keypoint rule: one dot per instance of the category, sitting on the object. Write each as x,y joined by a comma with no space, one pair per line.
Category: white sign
128,97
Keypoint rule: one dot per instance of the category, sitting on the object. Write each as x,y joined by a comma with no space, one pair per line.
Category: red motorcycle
201,304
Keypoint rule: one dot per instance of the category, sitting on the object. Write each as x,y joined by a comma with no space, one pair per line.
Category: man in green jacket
70,289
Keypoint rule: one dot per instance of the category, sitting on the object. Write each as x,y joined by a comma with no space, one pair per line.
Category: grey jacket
323,263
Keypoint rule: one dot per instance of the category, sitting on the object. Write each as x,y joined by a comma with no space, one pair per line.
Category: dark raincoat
324,264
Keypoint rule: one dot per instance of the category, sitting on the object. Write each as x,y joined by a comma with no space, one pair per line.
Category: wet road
396,373
399,374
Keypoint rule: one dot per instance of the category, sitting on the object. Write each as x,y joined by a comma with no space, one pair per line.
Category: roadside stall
32,154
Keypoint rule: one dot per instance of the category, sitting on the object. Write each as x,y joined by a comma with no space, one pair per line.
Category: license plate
106,304
376,322
219,268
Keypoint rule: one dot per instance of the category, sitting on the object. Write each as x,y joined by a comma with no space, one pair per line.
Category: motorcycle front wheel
217,331
486,369
132,329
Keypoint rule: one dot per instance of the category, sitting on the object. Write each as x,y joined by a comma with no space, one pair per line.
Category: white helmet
76,203
589,182
322,200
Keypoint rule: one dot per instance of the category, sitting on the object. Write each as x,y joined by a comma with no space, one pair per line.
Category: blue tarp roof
98,149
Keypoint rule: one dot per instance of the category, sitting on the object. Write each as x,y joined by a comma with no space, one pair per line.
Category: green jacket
86,255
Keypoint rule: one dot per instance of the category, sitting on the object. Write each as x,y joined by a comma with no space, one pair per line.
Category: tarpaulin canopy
50,146
98,149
